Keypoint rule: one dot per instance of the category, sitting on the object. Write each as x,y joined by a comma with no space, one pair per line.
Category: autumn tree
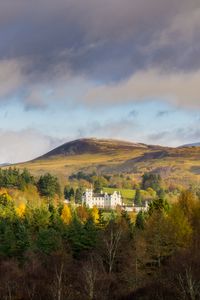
66,214
95,214
82,213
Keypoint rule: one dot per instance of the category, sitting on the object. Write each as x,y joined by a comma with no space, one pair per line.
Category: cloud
105,40
18,146
133,113
176,88
176,137
11,76
163,113
119,129
85,52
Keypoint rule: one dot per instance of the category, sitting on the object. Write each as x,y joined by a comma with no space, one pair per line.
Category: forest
53,250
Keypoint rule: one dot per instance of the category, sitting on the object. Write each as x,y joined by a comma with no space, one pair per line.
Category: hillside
113,156
92,146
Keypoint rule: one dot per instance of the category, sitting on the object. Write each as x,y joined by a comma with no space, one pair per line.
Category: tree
151,180
66,214
159,205
111,240
82,213
12,177
48,240
156,232
95,214
36,218
20,210
7,208
179,229
67,192
138,198
186,202
139,223
81,237
48,186
99,183
78,195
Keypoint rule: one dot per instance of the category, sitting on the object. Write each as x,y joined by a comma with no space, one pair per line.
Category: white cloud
18,146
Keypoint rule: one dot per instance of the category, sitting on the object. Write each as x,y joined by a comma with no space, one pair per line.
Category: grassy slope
70,164
180,165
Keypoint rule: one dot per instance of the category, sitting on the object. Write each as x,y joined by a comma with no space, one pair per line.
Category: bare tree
94,278
190,288
111,241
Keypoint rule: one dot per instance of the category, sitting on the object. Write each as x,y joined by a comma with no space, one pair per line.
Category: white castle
101,200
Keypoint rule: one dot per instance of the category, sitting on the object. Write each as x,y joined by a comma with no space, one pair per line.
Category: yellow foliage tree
66,215
20,210
95,214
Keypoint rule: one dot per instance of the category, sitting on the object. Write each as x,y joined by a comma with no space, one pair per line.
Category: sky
124,69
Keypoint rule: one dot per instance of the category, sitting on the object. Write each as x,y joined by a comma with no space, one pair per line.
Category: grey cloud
44,42
11,76
108,39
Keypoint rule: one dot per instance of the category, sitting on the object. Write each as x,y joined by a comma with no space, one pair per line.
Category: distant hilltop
91,146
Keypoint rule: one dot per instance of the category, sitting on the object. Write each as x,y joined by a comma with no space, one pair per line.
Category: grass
126,193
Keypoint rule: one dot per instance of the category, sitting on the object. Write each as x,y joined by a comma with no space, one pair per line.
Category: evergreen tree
67,192
158,205
151,180
78,195
139,223
138,198
48,240
48,186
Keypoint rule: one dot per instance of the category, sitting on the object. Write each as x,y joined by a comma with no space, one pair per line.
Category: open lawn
126,193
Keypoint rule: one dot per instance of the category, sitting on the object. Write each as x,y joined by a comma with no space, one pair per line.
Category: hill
92,146
181,165
191,145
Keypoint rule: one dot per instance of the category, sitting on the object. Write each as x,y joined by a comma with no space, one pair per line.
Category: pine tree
138,198
139,223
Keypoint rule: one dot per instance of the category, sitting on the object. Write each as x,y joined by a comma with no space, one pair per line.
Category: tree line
47,184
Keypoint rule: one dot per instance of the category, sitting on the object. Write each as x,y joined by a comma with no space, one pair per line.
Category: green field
126,194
